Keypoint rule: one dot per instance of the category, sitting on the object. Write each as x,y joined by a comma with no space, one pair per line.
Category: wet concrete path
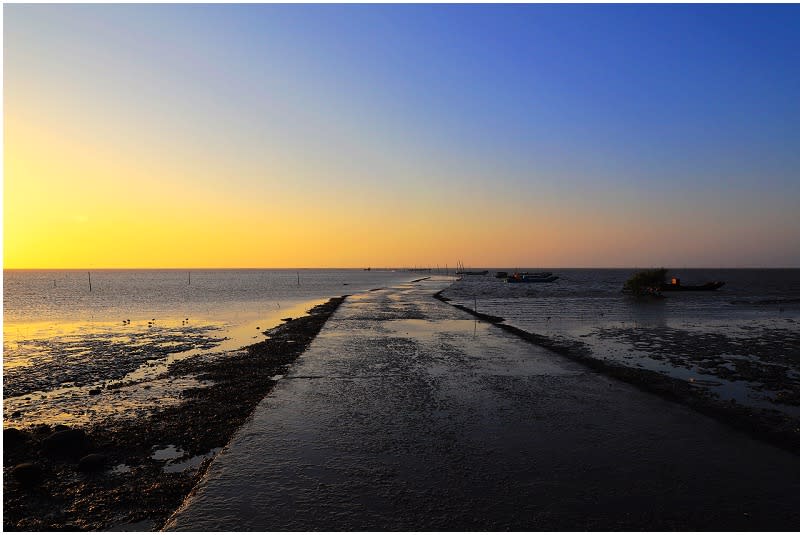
407,414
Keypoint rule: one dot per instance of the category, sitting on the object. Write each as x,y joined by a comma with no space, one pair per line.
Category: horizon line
381,268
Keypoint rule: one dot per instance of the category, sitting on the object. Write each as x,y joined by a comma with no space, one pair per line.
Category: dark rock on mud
66,443
27,474
94,462
13,438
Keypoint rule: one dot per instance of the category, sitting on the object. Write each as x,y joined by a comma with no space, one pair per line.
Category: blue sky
676,122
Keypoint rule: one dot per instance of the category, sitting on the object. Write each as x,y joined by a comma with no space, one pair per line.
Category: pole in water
190,278
90,280
298,278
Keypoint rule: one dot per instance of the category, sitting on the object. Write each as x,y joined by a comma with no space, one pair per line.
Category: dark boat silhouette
532,277
676,286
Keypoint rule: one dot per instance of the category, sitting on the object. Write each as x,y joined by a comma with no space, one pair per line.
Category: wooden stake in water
90,280
190,278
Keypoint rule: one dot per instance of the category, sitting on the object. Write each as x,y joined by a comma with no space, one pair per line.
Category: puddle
190,463
172,454
121,468
168,453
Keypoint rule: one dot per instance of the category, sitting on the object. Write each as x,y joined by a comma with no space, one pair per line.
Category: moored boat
676,286
529,278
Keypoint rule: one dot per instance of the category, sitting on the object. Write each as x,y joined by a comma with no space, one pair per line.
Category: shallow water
62,341
741,342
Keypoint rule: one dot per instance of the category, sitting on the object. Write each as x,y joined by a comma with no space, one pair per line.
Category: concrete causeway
407,414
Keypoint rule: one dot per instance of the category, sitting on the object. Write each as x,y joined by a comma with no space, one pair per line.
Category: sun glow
131,142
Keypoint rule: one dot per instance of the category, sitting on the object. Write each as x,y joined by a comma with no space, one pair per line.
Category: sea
740,343
64,340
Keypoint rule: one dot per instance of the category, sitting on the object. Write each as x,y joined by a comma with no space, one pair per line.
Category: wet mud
99,358
765,357
131,474
776,350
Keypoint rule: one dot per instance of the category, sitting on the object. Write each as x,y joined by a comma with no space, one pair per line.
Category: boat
531,277
538,274
501,274
676,286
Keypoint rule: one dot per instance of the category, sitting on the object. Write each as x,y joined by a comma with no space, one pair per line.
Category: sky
174,136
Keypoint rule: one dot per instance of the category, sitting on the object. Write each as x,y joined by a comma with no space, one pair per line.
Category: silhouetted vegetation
646,282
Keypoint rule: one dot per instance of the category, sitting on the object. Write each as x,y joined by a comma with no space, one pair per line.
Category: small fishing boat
538,274
501,274
531,277
676,286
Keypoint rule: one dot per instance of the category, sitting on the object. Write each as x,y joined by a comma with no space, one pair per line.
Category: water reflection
647,312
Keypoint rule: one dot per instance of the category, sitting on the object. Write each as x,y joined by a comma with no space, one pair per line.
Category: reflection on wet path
406,414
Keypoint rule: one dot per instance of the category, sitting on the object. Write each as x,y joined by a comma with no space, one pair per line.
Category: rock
13,437
66,443
28,474
94,462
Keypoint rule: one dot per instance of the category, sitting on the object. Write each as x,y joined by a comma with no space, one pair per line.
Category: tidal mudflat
733,353
133,470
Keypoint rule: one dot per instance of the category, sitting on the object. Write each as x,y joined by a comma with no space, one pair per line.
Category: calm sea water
61,340
742,341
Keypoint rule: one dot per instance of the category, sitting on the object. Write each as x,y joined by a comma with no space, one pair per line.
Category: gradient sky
352,136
